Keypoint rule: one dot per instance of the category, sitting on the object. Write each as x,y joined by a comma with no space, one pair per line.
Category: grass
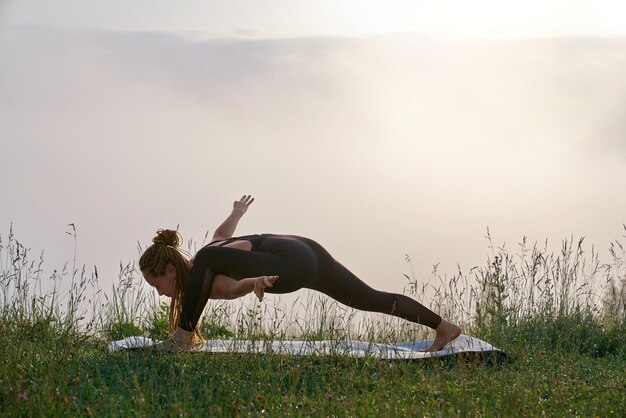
561,317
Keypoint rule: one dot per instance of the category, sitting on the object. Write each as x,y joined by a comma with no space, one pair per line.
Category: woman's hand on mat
171,345
261,283
181,340
240,207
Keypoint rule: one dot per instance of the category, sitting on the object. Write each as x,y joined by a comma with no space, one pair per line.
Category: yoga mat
464,344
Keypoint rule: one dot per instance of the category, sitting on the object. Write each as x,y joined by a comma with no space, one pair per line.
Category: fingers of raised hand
246,199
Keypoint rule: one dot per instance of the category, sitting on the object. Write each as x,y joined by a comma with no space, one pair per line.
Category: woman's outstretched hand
261,283
241,206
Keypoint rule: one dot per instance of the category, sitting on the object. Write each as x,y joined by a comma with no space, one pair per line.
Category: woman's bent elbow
224,288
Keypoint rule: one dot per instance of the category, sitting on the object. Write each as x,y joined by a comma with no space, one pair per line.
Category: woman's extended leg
342,285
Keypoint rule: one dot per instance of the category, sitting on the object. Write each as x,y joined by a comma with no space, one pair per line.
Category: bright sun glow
483,18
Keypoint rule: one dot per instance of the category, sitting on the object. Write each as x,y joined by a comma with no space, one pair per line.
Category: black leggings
300,263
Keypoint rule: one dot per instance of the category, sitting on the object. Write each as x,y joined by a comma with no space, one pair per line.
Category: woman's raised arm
227,228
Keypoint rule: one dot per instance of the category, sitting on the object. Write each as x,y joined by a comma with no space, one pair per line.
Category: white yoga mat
401,351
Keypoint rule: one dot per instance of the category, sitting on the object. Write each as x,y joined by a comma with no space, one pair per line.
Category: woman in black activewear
230,267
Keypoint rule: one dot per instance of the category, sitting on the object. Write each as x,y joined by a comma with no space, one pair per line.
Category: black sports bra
254,239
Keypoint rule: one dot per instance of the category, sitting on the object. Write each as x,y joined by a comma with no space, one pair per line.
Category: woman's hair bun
167,237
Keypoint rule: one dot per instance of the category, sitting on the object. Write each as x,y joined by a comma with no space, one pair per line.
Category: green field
567,354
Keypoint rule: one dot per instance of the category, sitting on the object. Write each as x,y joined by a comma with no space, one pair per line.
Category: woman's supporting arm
223,287
227,228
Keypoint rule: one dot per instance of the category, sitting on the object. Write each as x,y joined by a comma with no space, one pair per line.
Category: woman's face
165,284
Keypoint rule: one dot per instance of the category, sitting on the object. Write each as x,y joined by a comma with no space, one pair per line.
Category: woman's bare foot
446,332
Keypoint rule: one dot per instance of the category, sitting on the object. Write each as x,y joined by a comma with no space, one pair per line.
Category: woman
229,268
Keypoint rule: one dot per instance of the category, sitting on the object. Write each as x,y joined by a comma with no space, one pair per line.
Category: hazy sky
378,129
297,18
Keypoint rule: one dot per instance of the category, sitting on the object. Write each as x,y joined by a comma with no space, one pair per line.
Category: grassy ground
47,374
567,355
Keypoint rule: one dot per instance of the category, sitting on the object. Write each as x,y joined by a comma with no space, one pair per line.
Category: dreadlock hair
165,250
